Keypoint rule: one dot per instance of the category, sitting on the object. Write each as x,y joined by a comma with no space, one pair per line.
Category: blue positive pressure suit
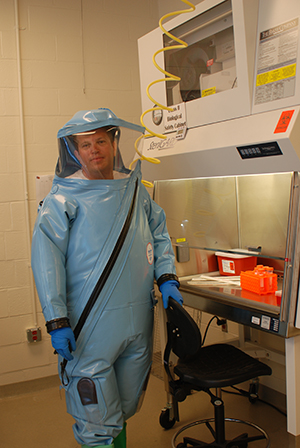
75,234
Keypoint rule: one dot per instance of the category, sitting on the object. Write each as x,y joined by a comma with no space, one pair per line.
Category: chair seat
202,368
220,365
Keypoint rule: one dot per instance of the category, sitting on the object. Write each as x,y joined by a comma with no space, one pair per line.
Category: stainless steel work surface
245,307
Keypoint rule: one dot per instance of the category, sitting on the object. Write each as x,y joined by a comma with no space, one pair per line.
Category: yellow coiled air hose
168,77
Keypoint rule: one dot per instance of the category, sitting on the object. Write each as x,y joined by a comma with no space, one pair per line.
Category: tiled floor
35,417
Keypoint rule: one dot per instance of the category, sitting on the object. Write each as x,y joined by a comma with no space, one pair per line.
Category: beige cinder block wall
74,54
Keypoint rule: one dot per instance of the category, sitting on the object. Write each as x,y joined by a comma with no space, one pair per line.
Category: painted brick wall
75,54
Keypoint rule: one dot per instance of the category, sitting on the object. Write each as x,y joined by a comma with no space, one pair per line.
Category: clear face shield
92,142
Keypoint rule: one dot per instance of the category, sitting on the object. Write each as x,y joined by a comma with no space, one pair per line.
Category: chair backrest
183,333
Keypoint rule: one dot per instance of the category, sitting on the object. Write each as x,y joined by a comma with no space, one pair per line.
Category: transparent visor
96,154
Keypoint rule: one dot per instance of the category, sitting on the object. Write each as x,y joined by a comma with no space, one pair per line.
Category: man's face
96,154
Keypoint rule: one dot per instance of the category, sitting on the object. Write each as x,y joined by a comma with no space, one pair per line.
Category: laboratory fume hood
231,215
229,166
229,171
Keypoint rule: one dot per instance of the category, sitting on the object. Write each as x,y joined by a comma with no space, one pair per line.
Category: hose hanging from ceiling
168,77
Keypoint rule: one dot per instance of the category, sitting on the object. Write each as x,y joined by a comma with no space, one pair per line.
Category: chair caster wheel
164,419
253,396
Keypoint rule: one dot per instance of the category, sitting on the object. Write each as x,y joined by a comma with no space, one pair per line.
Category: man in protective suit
98,244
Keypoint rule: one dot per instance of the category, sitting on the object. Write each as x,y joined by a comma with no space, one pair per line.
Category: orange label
284,121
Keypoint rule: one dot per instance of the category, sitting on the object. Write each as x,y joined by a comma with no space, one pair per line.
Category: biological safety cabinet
237,218
233,216
229,168
246,127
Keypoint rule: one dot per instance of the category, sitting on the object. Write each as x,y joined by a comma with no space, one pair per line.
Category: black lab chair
202,368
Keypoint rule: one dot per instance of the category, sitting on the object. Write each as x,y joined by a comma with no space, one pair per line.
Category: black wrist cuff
54,324
165,278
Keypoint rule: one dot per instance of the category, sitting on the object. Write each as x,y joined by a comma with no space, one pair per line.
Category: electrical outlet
34,334
225,327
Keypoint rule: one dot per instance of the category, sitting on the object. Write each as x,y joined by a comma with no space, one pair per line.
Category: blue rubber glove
63,340
170,289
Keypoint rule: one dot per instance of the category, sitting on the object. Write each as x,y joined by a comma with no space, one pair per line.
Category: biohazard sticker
284,121
149,253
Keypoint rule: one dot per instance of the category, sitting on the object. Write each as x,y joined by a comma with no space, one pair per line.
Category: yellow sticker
207,92
276,75
180,240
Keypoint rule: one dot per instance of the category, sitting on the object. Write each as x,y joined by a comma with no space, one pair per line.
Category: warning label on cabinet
228,266
284,121
277,62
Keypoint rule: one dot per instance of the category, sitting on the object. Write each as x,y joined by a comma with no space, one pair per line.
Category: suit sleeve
164,259
48,257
